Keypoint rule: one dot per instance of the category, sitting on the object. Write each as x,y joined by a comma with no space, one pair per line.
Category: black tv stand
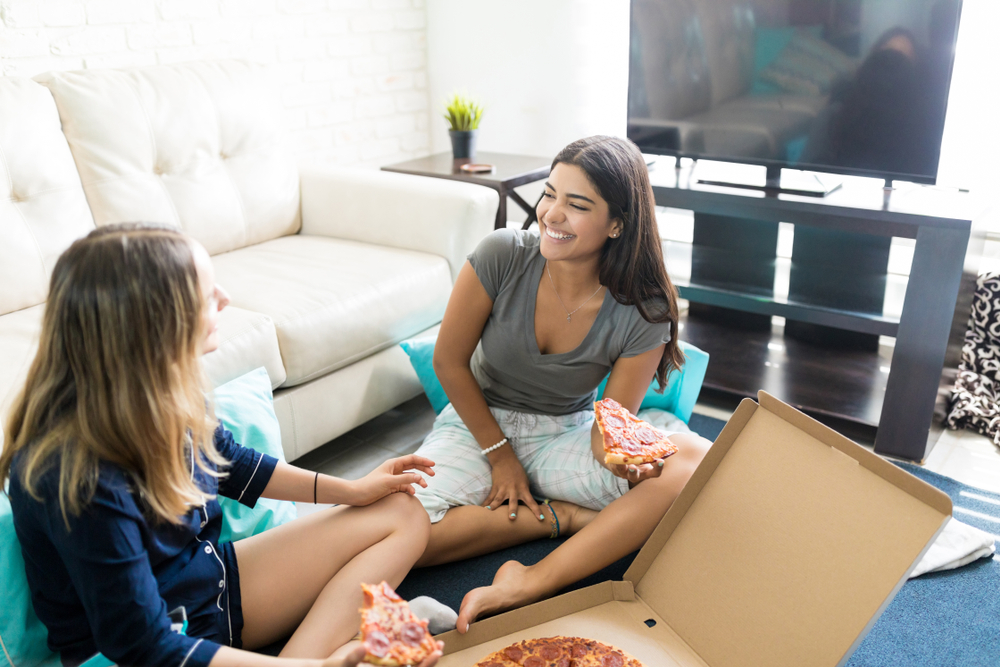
835,283
803,184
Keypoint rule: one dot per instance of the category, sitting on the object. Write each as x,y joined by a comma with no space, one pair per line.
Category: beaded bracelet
495,447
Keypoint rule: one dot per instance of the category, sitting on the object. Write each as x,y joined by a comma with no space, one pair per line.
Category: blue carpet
948,618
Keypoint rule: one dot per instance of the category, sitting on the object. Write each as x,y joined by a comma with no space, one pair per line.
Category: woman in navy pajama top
114,465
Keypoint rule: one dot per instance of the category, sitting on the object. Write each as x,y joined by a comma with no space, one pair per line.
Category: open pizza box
783,549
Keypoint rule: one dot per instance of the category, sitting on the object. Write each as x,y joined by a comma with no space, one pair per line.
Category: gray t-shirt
511,370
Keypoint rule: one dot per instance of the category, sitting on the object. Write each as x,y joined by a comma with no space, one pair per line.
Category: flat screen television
841,86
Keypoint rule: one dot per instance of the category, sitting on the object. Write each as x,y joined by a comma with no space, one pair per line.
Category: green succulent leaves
462,113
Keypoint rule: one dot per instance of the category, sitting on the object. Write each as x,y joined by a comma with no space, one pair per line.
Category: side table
511,171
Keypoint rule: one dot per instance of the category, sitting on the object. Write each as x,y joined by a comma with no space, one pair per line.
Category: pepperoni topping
614,421
534,661
514,653
389,593
615,659
647,435
377,644
563,662
412,634
578,651
629,446
550,652
615,437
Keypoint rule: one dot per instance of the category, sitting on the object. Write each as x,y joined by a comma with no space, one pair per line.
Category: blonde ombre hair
117,376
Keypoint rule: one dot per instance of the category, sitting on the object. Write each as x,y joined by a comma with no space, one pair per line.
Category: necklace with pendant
569,313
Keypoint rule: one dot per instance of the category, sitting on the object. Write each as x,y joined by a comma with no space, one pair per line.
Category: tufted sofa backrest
42,205
194,145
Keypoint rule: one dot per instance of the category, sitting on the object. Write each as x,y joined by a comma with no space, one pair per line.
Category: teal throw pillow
683,386
421,353
678,398
246,407
22,636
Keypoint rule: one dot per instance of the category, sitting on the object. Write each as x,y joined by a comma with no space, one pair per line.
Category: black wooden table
511,171
723,269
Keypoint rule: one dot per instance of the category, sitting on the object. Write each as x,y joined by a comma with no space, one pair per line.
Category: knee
410,516
691,450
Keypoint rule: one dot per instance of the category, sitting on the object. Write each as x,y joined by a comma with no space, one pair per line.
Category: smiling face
213,298
573,219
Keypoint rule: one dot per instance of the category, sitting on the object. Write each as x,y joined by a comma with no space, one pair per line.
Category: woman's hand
393,476
637,473
355,657
510,483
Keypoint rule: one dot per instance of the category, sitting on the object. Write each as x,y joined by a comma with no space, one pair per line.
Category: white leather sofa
327,269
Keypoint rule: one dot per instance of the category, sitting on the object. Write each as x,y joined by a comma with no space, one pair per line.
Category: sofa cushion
247,340
18,343
195,145
42,206
334,302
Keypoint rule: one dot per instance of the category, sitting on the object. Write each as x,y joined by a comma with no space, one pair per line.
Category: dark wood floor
841,384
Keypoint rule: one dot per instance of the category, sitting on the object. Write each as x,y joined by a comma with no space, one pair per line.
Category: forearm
292,483
232,657
597,445
470,404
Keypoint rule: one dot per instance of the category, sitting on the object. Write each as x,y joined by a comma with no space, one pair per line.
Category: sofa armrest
433,215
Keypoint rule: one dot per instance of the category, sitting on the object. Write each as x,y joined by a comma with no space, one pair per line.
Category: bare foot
513,586
572,518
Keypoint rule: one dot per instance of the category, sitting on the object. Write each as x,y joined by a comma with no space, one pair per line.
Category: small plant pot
463,143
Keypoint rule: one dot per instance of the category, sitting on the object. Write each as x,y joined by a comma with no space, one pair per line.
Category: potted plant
463,116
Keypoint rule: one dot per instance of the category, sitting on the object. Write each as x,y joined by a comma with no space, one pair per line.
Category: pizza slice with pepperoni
629,440
391,634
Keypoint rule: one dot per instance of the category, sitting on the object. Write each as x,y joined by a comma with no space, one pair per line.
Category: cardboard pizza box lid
783,549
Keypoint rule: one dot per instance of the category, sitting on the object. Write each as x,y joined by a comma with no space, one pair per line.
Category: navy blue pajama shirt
107,584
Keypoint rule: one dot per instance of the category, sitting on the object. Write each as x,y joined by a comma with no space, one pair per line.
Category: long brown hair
631,266
117,376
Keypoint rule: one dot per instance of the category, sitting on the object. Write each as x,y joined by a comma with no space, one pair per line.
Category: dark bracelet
315,484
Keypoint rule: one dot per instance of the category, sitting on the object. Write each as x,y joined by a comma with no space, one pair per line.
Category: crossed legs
619,529
303,578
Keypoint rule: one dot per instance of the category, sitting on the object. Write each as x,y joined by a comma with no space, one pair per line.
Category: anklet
554,521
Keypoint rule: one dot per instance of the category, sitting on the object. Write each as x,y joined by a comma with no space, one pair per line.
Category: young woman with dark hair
114,465
535,322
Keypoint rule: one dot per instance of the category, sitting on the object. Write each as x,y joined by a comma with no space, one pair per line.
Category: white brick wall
352,73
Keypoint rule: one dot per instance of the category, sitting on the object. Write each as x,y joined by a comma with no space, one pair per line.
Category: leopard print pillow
975,400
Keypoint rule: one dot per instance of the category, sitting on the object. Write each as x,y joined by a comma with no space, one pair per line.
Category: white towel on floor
958,544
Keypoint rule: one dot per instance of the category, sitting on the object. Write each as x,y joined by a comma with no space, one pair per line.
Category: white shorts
555,453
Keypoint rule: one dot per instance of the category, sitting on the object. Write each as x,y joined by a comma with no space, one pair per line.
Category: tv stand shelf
837,283
763,300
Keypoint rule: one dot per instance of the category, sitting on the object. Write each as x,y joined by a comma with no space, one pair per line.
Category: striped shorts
555,453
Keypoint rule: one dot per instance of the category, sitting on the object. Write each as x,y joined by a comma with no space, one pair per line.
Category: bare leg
470,531
304,576
618,530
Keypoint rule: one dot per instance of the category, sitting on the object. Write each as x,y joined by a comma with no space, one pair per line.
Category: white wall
352,74
553,71
970,150
548,72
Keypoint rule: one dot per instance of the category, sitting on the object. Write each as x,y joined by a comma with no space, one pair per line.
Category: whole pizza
559,652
